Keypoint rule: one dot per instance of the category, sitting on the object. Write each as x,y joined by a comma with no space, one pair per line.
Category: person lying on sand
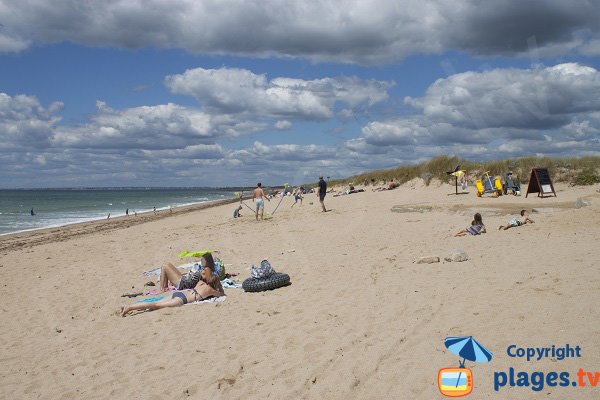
391,186
477,227
208,287
517,221
171,274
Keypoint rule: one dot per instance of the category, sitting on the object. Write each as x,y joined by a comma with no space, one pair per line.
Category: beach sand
360,320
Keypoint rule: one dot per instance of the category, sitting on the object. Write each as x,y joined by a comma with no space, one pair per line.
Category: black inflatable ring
274,281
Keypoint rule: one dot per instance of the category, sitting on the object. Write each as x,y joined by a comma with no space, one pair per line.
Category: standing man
322,192
258,197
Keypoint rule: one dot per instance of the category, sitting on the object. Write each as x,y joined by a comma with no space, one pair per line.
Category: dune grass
576,171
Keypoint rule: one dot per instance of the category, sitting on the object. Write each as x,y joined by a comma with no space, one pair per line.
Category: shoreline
33,237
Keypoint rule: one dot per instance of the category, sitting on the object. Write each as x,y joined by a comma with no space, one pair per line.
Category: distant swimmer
32,211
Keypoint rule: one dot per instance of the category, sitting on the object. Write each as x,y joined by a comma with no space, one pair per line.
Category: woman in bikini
208,287
170,274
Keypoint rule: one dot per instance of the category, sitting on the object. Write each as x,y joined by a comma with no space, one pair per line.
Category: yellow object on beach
479,186
498,185
196,254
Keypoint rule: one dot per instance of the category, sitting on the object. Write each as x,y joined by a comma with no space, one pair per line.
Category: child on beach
517,221
236,212
297,196
208,287
477,227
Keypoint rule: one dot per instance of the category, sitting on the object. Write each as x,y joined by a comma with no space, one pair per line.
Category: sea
59,207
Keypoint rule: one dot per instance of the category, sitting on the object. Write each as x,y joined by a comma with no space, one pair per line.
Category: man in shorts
517,222
322,192
258,197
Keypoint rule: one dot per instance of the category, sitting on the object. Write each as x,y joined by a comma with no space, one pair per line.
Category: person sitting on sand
236,213
517,221
171,274
208,287
477,227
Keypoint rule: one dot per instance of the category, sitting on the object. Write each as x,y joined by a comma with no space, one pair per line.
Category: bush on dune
578,171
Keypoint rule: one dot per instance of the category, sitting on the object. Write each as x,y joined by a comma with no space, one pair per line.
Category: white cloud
231,90
532,98
360,31
147,127
25,123
283,125
511,112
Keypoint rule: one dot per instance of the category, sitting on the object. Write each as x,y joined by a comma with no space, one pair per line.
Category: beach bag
262,271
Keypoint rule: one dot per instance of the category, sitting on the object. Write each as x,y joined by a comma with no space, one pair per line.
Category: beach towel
195,254
211,300
151,299
230,284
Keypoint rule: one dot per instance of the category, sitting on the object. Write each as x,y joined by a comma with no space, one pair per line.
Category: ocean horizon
26,209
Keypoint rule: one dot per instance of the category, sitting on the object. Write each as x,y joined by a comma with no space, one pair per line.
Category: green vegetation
588,176
577,171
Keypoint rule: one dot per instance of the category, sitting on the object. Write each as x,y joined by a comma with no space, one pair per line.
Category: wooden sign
540,183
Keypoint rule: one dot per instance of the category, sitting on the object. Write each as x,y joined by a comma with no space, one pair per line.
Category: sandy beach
361,319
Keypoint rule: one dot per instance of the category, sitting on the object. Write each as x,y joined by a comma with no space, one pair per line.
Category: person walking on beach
127,212
298,196
322,192
258,197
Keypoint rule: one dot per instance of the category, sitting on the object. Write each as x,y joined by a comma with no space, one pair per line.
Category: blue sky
217,93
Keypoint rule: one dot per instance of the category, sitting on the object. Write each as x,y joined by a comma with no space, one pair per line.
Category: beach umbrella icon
467,348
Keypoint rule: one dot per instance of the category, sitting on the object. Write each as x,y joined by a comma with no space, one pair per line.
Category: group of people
201,283
477,227
259,197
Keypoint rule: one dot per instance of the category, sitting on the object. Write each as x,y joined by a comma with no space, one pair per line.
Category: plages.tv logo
457,382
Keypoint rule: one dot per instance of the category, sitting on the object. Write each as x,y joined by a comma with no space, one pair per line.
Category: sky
231,92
